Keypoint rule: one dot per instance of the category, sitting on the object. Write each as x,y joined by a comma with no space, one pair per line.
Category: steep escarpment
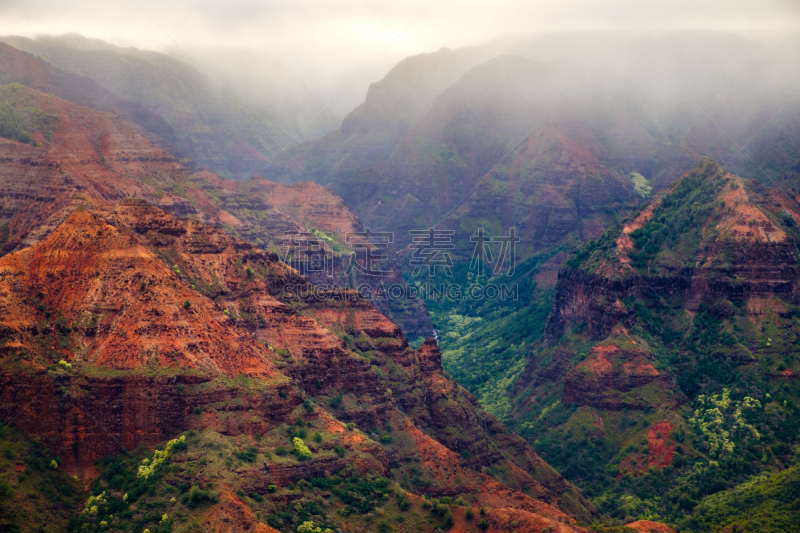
490,149
493,152
312,230
713,236
506,163
105,301
554,146
669,355
320,360
127,326
95,158
85,157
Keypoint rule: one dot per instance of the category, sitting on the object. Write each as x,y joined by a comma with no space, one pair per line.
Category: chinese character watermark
372,247
430,247
482,253
368,253
307,251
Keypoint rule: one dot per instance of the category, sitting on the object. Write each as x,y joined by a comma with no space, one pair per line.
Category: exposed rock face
745,255
96,158
578,299
126,310
691,299
93,158
611,371
660,449
509,519
307,203
157,315
234,516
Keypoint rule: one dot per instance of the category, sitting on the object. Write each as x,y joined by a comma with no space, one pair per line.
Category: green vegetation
3,234
18,119
733,415
310,527
12,125
676,225
736,422
149,466
768,503
34,496
485,343
142,494
641,184
710,421
300,449
248,456
331,241
194,470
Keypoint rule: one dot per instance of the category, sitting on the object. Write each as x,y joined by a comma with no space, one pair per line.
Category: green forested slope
769,503
667,372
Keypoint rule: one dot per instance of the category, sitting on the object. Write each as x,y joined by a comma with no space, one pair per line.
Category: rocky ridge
680,312
126,326
94,157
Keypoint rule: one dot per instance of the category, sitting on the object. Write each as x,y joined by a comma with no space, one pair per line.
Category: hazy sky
333,43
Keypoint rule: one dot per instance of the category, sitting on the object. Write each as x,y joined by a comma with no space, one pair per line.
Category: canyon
183,348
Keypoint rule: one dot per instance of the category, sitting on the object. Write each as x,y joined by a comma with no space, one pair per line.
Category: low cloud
339,47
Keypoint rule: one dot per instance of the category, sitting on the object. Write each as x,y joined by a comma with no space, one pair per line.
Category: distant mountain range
648,351
557,136
439,123
228,112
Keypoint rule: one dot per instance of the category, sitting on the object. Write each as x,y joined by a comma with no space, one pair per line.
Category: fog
340,47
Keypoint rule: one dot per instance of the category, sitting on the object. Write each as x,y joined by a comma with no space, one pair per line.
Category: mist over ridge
522,266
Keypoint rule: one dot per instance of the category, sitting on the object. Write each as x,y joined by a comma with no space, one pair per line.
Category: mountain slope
436,165
455,170
22,68
370,132
125,328
589,135
98,158
764,503
667,371
652,106
209,127
164,324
